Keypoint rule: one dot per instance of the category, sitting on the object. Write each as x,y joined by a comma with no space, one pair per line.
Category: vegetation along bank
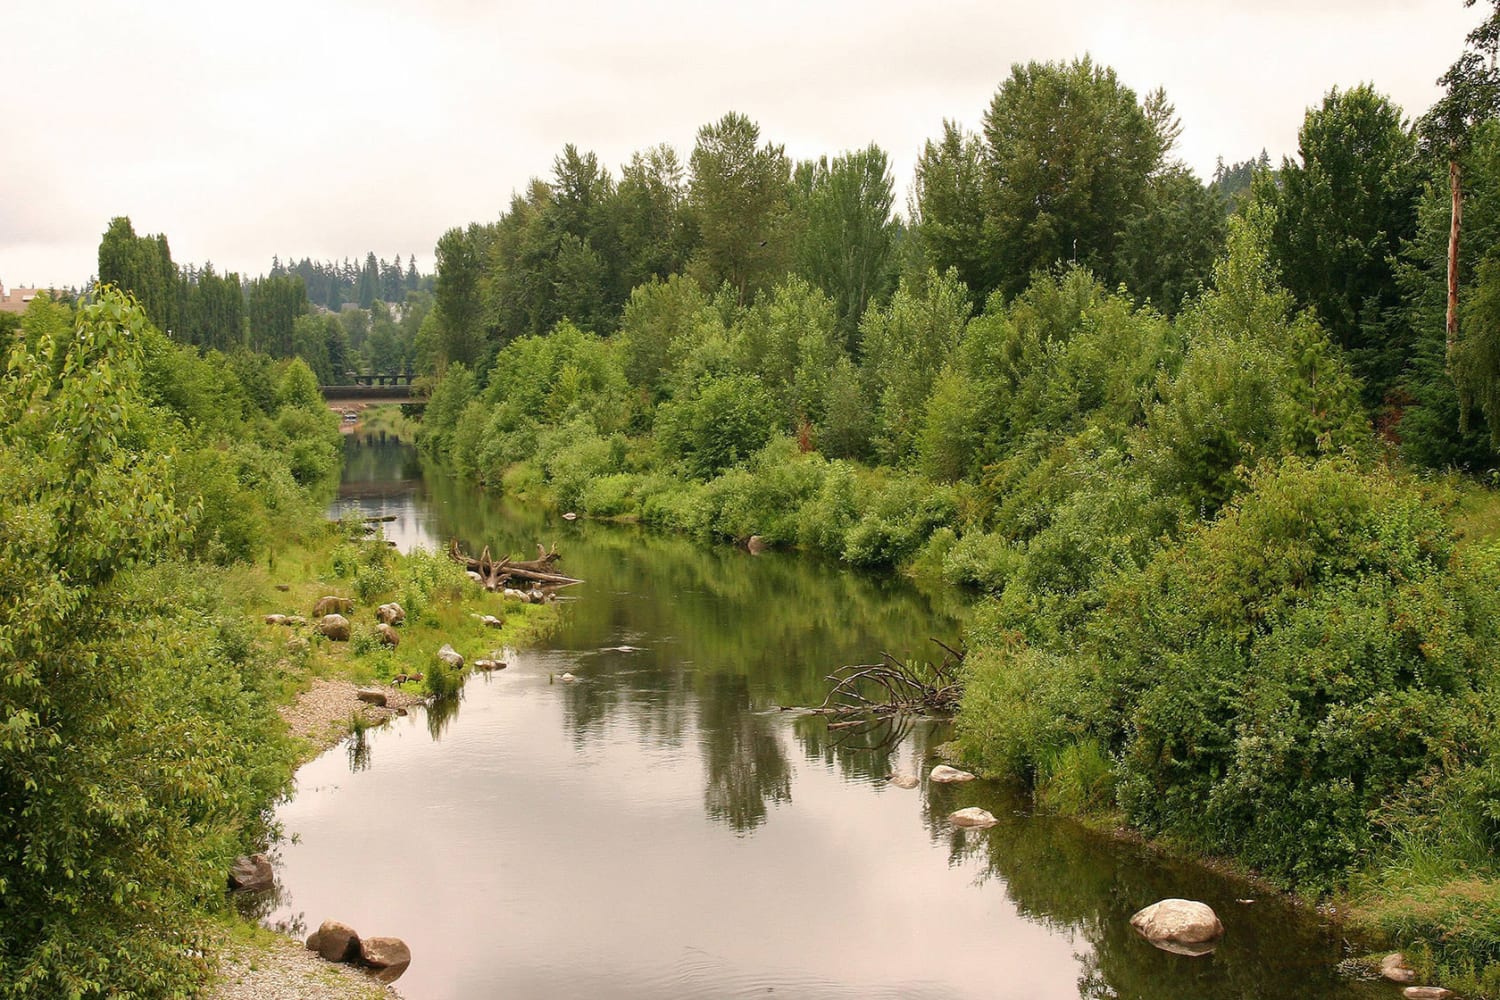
1213,454
158,505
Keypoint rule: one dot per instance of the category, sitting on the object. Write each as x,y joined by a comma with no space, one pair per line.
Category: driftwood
873,705
495,574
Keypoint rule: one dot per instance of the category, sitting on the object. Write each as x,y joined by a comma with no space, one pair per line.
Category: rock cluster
386,957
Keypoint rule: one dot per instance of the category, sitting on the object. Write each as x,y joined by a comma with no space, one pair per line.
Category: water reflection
662,828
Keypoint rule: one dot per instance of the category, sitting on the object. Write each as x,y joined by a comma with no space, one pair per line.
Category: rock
312,941
973,816
756,545
1394,968
388,956
513,594
451,656
388,635
295,620
489,621
337,942
567,678
944,774
905,780
473,576
251,873
391,614
371,696
283,587
1184,926
296,644
570,516
275,619
332,606
335,627
1426,993
489,664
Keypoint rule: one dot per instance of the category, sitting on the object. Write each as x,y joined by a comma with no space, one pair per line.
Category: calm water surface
661,828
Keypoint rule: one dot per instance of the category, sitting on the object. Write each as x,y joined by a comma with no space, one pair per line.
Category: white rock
1394,968
569,678
451,656
973,817
905,780
944,774
1178,922
1426,993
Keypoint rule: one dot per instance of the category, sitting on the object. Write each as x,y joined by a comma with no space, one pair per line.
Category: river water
662,828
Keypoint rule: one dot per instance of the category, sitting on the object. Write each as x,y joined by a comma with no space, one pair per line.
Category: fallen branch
494,575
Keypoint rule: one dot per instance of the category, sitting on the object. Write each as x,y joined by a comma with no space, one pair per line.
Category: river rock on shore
387,957
391,614
335,627
1394,968
1184,926
251,873
943,774
451,656
332,605
335,942
1426,993
388,635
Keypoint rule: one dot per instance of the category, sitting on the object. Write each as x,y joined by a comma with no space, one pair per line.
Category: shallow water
661,828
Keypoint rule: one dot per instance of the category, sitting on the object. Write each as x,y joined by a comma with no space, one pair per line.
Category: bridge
387,387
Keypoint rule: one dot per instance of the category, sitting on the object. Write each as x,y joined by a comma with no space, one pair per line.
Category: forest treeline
1175,432
140,751
335,317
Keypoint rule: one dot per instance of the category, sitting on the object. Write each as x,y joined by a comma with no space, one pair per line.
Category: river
661,828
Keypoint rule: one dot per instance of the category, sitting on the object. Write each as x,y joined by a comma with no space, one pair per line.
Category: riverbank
325,690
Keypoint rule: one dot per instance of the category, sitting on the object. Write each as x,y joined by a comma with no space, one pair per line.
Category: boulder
388,957
275,619
1394,968
1426,993
451,656
312,941
251,873
371,696
335,627
973,816
333,606
567,678
489,664
943,774
337,942
391,614
388,635
295,620
570,516
1181,925
473,576
488,621
905,780
756,545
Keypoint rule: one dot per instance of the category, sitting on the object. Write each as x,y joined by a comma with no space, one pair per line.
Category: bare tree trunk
1456,191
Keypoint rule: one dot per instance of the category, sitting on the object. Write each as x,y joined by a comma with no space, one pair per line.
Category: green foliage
738,192
136,743
722,423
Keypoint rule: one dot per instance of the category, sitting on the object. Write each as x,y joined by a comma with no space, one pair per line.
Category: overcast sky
326,129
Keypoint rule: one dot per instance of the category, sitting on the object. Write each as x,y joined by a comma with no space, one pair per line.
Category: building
15,300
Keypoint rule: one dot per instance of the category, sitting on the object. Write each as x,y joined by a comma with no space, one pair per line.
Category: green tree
272,308
846,237
1069,153
1168,246
456,298
1343,213
948,206
738,193
143,266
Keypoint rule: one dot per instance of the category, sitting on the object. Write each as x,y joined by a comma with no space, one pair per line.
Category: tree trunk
1456,191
